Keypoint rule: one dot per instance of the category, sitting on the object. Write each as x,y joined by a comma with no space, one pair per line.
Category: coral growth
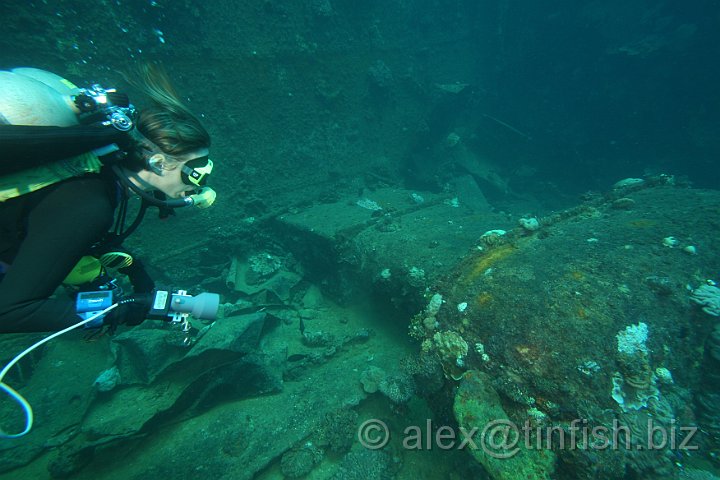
707,296
365,465
338,431
634,385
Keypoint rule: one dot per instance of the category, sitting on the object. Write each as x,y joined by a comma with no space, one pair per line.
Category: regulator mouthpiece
204,198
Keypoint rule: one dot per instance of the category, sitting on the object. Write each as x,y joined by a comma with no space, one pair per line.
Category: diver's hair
167,123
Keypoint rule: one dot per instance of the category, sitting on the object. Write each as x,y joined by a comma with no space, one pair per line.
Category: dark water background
315,102
599,90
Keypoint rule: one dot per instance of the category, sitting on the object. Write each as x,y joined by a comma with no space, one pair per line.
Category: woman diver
69,160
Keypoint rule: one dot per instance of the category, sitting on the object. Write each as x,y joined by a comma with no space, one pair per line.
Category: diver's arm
26,146
140,280
63,223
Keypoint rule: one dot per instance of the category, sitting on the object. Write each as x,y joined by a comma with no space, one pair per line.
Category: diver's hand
131,314
139,278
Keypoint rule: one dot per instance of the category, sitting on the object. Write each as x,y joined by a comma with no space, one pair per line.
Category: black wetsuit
42,236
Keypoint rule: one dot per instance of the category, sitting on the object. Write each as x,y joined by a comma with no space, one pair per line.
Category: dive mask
195,172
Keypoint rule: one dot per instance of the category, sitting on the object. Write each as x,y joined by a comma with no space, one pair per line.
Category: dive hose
27,408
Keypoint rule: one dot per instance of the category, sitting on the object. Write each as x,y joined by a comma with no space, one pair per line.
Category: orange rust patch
522,349
577,275
479,264
483,299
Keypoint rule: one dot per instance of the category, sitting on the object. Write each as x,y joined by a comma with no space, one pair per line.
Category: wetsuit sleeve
26,146
139,278
64,220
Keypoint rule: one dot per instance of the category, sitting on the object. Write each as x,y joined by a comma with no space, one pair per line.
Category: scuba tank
30,96
44,138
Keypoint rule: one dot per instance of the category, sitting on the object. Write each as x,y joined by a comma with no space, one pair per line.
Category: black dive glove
138,276
132,311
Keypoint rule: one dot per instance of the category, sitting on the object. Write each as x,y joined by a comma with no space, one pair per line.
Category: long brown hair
168,123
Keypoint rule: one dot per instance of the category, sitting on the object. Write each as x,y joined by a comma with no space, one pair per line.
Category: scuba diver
69,160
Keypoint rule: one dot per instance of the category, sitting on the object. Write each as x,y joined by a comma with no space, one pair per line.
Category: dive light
163,304
178,305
